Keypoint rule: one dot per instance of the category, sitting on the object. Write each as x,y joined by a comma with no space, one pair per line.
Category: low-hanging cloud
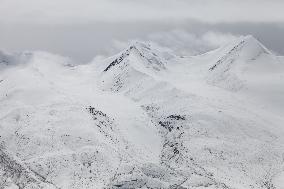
179,42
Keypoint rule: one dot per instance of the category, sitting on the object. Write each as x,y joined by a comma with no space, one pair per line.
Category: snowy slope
59,132
244,68
253,69
142,120
165,101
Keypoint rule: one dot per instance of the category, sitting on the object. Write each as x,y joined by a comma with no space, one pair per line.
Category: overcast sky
83,29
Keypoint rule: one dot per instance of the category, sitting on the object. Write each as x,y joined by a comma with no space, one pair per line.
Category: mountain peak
144,52
251,46
252,39
245,53
137,64
246,48
249,37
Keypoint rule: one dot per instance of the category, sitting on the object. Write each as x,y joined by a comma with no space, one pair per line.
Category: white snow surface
140,119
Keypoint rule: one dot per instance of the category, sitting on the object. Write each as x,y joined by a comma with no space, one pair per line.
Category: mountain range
144,118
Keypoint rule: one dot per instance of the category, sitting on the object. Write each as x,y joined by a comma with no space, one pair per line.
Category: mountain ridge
142,50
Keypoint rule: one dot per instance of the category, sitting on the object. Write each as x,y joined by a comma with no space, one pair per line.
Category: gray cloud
85,41
179,42
83,11
88,28
186,43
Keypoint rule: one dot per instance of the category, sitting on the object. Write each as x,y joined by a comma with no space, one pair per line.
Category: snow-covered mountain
133,68
143,120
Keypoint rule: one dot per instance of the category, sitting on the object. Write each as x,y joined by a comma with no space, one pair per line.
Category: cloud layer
75,11
82,29
179,42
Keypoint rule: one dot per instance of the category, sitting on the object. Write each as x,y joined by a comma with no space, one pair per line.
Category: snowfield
144,119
